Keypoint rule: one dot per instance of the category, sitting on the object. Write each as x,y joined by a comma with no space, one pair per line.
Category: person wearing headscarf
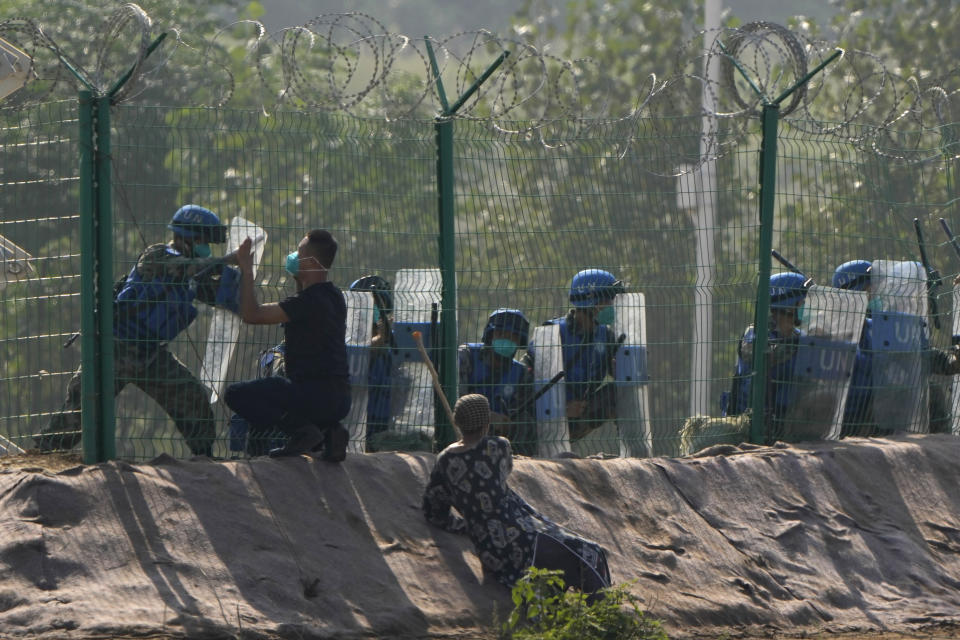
508,534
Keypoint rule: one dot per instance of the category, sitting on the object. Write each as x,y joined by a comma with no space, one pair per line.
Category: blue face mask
201,250
376,314
606,315
875,305
293,264
504,347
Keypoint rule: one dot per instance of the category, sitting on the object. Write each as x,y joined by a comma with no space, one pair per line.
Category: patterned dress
505,530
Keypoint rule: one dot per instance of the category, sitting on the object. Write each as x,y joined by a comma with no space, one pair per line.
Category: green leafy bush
544,609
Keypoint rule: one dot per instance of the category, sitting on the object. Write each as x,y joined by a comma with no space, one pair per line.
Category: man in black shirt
310,401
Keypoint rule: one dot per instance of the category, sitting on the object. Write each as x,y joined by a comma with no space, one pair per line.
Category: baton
542,390
789,265
950,236
418,339
933,276
955,339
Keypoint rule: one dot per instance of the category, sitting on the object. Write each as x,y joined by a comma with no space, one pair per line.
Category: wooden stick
418,339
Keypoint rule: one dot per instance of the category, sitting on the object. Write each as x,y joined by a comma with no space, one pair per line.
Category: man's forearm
248,297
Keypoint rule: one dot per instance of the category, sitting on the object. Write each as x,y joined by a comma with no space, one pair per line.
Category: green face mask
606,315
504,347
875,305
376,314
201,250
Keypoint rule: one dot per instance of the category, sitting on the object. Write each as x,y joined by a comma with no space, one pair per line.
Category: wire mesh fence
604,274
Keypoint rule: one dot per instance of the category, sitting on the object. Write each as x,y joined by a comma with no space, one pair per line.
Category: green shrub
544,609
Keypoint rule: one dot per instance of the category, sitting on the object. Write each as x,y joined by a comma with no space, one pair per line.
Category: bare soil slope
861,534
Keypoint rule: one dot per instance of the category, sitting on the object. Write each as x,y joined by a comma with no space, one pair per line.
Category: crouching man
309,403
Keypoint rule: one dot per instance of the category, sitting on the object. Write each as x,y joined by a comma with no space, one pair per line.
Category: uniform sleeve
525,391
437,506
158,262
944,363
740,389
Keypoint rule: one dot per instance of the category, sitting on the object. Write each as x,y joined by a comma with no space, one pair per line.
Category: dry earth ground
856,540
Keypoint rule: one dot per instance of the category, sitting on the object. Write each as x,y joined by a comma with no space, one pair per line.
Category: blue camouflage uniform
153,305
506,383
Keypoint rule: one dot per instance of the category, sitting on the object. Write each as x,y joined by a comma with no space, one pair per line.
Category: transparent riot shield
900,367
955,339
553,435
630,374
14,68
823,366
359,337
225,325
9,447
14,263
416,294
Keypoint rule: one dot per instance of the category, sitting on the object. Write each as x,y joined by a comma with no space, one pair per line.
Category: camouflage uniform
141,356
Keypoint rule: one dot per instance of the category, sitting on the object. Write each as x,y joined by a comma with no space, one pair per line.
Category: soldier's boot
335,440
303,441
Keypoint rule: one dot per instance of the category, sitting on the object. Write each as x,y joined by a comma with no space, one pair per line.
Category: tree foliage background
254,126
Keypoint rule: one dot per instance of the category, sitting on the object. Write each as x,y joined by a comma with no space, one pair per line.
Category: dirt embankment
860,534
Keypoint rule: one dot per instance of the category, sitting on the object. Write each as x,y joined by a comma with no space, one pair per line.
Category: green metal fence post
768,178
768,183
104,282
89,365
443,126
448,270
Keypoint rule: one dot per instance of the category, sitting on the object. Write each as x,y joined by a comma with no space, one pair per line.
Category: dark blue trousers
279,404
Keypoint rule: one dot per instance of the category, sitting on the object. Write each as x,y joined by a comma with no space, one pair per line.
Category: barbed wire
351,63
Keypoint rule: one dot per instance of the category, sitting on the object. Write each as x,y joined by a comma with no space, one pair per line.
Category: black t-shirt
316,334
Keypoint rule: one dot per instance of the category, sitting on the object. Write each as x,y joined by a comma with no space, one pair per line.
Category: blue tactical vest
154,311
780,377
501,393
586,359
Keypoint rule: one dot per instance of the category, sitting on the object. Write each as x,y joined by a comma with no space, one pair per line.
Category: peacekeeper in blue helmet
489,367
380,375
153,304
855,275
589,347
788,292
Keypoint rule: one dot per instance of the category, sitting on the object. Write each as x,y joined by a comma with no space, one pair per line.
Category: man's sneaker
336,439
301,442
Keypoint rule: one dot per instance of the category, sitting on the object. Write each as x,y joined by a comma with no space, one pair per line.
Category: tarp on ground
856,534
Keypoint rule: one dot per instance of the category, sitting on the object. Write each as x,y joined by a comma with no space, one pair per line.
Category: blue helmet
380,288
511,320
853,275
787,290
590,287
198,223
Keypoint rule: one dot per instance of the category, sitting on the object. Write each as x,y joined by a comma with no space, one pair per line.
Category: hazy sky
491,14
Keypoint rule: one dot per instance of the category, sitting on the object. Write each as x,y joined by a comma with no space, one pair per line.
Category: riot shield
553,435
14,263
826,351
359,336
14,68
416,294
630,373
225,325
900,368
